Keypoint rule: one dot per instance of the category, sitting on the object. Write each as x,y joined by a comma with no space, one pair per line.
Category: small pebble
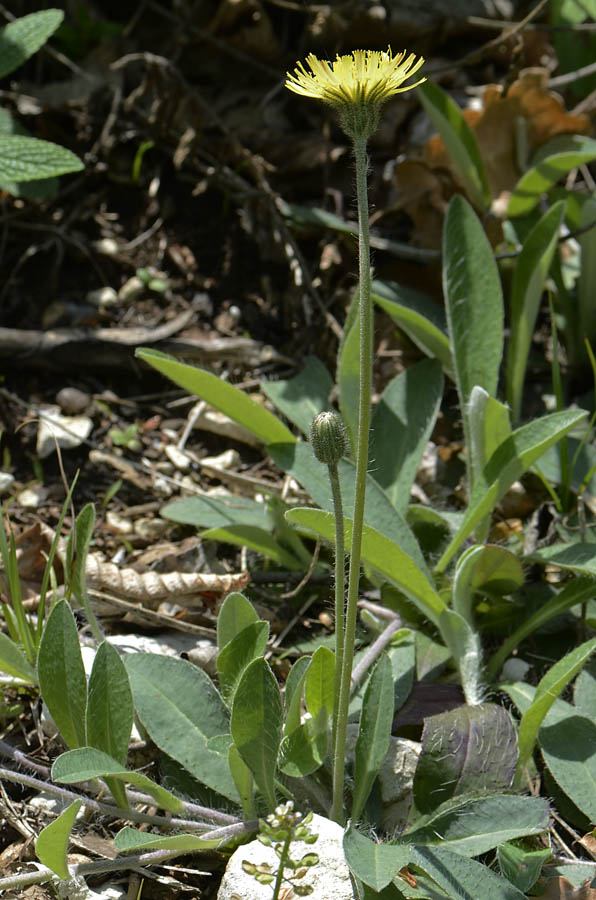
33,496
178,458
163,487
102,298
119,524
56,429
72,401
229,459
131,289
107,246
6,482
150,528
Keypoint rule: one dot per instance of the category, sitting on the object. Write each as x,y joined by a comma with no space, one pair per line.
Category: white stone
131,289
396,779
229,459
65,431
6,482
217,422
149,528
108,246
102,297
33,496
329,879
119,524
76,889
514,669
178,457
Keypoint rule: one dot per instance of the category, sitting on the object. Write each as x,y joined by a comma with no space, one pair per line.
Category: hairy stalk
282,864
366,329
340,587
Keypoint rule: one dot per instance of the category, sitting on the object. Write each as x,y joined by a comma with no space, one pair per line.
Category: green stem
366,329
340,583
282,865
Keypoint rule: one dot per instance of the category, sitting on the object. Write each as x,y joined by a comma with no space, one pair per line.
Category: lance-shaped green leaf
14,662
217,512
303,750
52,843
374,732
578,557
223,396
87,762
459,140
465,749
466,649
584,690
489,426
62,675
244,782
256,539
236,612
233,659
568,743
29,159
474,304
578,591
256,725
549,688
129,839
293,693
521,866
586,288
419,317
479,822
531,270
181,709
509,461
488,568
305,395
297,460
553,161
401,426
110,711
461,878
24,36
382,554
319,683
374,864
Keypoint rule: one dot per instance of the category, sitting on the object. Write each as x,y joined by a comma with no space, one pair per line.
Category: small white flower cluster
283,815
278,831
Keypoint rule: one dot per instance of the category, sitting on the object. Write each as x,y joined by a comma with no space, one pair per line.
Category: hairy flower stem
282,864
366,330
340,587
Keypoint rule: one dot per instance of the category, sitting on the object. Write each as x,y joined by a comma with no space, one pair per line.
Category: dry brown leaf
495,126
561,889
151,588
588,842
423,194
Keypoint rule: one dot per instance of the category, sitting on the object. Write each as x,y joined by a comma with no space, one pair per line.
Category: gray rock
330,878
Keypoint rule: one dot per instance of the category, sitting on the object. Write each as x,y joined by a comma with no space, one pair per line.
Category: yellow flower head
365,76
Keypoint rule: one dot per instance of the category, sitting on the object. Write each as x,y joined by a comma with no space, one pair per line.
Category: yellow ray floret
364,76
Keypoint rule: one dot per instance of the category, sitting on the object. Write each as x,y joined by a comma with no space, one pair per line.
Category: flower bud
328,438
